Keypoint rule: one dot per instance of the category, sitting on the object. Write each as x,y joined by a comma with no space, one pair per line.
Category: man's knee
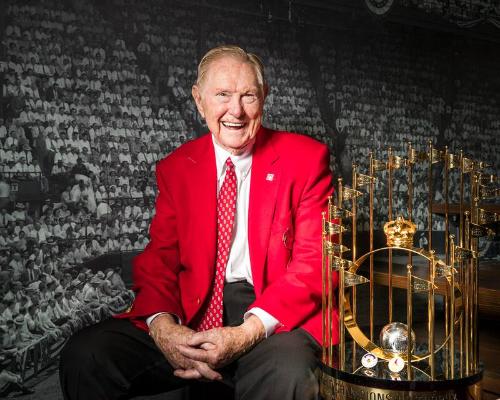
295,370
88,364
89,350
78,352
287,363
295,362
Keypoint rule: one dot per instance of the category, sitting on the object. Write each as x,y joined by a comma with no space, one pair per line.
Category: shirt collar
242,162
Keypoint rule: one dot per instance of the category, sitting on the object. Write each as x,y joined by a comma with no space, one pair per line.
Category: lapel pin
270,177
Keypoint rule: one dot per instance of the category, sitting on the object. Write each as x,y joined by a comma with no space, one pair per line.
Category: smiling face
231,101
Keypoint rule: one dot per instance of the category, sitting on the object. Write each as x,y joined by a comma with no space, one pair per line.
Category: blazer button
198,301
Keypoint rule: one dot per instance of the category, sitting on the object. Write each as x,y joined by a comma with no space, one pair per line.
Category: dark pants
115,360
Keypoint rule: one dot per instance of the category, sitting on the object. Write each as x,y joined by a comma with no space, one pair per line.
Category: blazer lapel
264,185
204,175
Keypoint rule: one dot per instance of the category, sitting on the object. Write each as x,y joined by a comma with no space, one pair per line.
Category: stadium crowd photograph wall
94,93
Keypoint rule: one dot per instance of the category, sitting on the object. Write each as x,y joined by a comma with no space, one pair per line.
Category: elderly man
229,288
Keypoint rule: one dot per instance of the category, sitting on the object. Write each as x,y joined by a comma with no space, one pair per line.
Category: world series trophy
440,361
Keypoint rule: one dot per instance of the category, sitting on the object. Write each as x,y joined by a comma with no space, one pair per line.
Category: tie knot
229,163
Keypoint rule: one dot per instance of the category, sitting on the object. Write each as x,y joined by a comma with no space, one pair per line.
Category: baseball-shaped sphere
394,338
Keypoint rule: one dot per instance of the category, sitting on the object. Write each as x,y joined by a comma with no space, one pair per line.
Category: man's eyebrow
244,90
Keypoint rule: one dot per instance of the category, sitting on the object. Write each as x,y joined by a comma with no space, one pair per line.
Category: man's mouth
233,125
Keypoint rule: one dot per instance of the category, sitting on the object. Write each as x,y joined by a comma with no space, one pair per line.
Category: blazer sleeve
155,270
295,296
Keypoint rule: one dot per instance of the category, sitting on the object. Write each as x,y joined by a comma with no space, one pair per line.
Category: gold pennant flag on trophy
462,253
443,270
415,156
453,161
338,262
467,165
352,279
397,162
349,194
487,217
379,165
436,156
329,247
487,192
332,228
482,165
337,212
363,180
487,179
480,231
420,285
335,247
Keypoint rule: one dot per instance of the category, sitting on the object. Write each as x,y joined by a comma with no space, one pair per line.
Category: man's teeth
233,124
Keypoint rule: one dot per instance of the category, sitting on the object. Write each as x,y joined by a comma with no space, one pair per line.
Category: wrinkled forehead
226,67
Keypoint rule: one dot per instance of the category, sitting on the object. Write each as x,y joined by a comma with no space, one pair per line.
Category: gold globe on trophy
430,352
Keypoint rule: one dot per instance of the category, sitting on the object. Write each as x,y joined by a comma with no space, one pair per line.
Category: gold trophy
440,358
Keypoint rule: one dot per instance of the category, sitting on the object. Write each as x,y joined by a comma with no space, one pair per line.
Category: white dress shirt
238,265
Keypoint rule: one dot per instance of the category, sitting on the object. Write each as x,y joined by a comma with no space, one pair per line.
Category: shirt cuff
270,323
152,317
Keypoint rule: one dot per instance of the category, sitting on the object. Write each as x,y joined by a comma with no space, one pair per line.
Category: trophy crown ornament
400,232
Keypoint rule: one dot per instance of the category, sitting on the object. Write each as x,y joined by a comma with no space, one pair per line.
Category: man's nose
235,107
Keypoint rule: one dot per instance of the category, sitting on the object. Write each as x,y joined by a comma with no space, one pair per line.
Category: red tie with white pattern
226,210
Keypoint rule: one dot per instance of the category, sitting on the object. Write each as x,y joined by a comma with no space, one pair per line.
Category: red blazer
290,183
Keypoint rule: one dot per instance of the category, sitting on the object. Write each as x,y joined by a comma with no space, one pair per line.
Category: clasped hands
198,355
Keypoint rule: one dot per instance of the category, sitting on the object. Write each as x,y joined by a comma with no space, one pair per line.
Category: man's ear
195,91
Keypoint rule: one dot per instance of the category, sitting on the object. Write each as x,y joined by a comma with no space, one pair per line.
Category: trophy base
340,385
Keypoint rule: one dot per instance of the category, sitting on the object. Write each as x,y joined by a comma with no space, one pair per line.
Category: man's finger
208,346
199,338
187,373
207,372
194,354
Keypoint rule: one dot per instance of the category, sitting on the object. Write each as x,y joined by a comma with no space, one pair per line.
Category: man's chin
236,147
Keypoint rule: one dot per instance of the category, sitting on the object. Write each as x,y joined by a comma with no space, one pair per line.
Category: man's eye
249,98
222,94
